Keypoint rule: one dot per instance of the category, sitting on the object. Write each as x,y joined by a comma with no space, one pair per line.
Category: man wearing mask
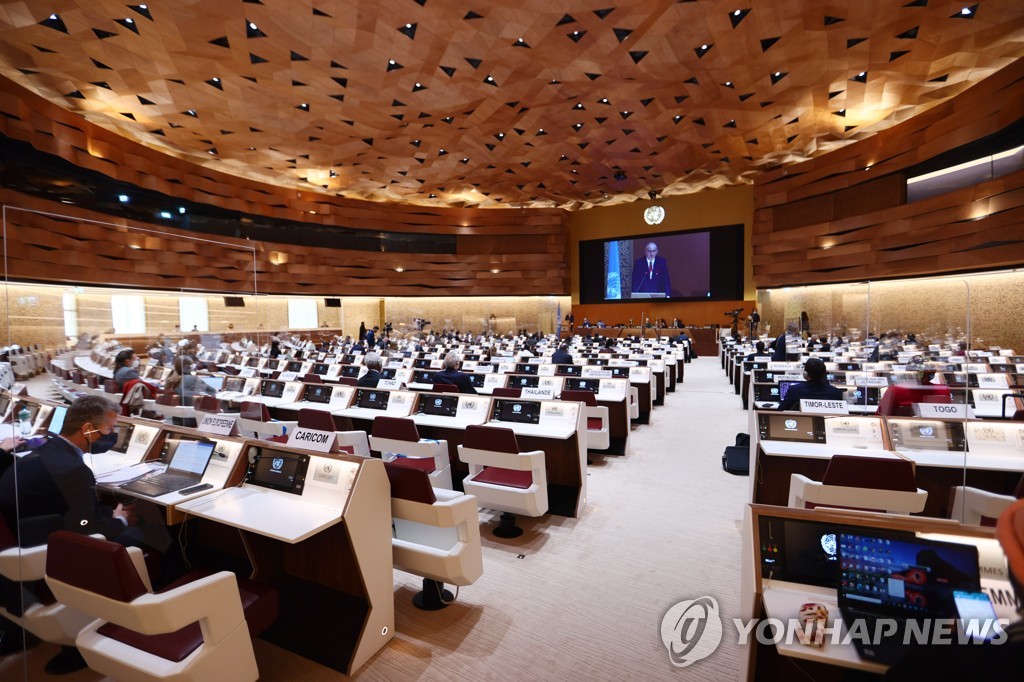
55,480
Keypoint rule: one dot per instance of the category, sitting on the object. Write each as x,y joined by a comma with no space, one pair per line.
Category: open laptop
884,576
57,420
186,468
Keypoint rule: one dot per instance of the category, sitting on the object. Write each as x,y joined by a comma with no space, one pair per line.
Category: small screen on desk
620,372
583,384
350,371
348,359
272,363
568,370
526,368
517,411
236,360
849,366
320,368
515,381
285,471
423,377
293,366
273,389
602,362
477,380
422,363
234,384
318,393
927,435
252,362
388,373
792,427
5,402
372,399
439,405
764,376
473,357
764,393
863,395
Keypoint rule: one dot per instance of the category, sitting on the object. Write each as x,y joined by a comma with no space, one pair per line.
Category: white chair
634,402
502,477
598,433
198,629
36,611
866,483
399,437
436,534
254,418
977,507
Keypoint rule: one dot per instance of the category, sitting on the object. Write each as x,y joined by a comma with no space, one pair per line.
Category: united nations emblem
654,215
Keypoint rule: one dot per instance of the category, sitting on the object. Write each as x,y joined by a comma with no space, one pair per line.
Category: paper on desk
129,473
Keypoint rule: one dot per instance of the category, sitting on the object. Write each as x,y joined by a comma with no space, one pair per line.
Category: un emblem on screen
277,463
790,423
437,402
517,408
927,430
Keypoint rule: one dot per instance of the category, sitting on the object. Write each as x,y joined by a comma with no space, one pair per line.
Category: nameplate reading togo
812,406
220,424
310,439
941,410
393,384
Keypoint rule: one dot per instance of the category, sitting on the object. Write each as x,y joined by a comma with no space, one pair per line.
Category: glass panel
64,341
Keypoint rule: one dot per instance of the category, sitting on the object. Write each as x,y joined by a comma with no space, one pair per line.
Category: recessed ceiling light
136,246
965,10
495,271
129,20
862,74
166,215
408,25
143,7
778,73
181,209
391,62
501,135
418,85
253,26
604,100
399,269
704,46
123,198
540,130
53,17
489,79
736,13
215,79
729,83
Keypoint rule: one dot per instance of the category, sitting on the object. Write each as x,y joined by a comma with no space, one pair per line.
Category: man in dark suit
452,375
561,356
779,345
373,364
650,273
370,340
56,480
814,387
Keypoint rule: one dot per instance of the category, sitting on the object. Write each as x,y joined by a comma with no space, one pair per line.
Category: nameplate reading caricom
312,439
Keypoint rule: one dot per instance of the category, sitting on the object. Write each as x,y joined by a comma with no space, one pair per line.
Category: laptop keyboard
160,484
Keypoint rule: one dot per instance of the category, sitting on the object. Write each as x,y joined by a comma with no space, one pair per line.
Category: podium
647,295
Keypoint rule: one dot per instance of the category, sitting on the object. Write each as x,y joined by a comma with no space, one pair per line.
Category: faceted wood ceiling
484,103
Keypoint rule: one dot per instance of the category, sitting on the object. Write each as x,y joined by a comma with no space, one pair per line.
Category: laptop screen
372,400
904,576
191,456
318,393
784,388
216,383
285,471
57,420
516,411
439,405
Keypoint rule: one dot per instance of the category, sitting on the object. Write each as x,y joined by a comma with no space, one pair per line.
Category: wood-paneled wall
527,247
842,216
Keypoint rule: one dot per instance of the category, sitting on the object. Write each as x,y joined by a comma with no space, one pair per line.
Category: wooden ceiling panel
635,96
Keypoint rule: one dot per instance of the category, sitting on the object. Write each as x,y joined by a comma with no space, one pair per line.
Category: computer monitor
216,383
568,370
791,427
602,362
124,437
764,393
620,372
350,371
272,363
252,362
422,376
293,366
784,387
863,395
926,434
320,368
526,368
318,393
575,384
421,363
477,380
234,384
348,359
520,381
388,373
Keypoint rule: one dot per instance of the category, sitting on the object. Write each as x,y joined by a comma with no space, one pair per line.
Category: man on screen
650,273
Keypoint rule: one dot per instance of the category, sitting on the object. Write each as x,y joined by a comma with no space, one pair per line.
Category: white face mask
136,363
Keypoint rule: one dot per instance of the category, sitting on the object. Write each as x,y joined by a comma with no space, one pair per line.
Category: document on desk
128,473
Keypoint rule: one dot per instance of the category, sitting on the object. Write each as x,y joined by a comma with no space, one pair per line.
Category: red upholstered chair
502,477
445,388
505,392
348,381
899,399
312,379
204,405
598,433
867,483
254,418
977,507
436,534
198,628
398,437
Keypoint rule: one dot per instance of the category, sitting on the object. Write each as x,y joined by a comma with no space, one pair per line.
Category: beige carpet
587,597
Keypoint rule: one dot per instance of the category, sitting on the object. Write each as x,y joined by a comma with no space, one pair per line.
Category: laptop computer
884,576
57,420
186,468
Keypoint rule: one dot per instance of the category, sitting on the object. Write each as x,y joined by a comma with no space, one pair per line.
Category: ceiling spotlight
129,20
253,26
778,73
181,210
736,13
123,198
704,46
604,100
53,17
391,62
965,11
408,25
166,215
495,271
399,269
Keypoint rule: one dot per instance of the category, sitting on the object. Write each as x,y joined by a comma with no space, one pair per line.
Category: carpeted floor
580,598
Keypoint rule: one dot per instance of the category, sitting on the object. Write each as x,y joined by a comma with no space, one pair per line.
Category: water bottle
25,421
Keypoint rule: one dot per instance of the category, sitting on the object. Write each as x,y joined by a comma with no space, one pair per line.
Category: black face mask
103,443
